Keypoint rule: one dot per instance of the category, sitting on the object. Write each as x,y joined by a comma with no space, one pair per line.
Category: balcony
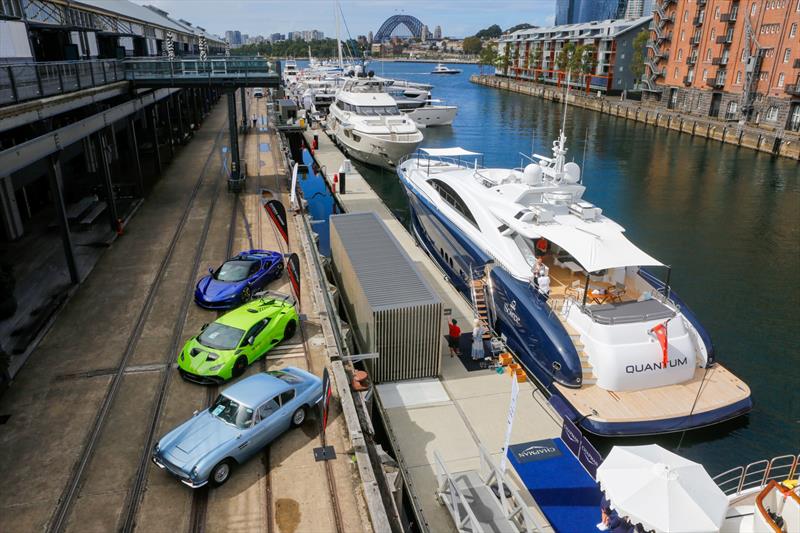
793,90
698,20
695,40
701,2
796,63
719,61
715,83
687,81
729,18
724,39
691,60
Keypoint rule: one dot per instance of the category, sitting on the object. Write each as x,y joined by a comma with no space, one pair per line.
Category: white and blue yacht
590,337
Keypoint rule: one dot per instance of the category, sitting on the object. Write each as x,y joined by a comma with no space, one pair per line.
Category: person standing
255,120
477,340
453,336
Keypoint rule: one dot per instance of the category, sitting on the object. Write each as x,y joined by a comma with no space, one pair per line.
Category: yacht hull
440,115
535,335
374,151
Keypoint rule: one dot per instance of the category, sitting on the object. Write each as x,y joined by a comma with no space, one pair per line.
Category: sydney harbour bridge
413,24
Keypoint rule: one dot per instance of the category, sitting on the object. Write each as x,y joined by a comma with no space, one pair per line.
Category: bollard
316,141
342,182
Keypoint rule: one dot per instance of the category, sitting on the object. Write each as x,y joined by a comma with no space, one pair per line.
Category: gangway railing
758,474
182,70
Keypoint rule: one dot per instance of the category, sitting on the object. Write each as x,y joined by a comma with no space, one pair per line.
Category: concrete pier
460,410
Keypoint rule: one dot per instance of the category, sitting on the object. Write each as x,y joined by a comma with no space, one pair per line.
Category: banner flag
512,409
277,213
660,331
293,268
326,398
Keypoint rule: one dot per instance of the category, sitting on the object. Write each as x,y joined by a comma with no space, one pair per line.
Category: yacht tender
590,339
442,69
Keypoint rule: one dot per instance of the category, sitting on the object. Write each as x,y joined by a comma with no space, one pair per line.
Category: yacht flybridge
590,327
368,125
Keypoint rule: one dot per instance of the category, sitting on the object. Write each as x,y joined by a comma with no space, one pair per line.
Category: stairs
478,293
587,370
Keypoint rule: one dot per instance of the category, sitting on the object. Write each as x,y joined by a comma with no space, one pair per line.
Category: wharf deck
461,409
124,325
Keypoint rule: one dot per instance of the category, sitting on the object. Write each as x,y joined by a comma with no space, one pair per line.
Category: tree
472,45
564,56
523,26
491,32
488,57
639,53
536,58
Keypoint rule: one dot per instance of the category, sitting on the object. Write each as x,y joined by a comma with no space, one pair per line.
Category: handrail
758,474
451,497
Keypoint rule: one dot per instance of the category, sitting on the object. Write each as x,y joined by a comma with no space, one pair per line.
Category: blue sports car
243,419
234,283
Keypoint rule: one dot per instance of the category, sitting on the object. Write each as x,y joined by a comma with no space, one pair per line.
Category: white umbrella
661,490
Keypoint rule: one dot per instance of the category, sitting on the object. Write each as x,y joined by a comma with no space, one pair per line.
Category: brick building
731,59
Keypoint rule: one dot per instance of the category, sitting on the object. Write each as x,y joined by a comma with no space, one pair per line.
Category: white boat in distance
366,122
442,69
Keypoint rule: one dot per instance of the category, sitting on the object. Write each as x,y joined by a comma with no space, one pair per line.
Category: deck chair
575,290
617,292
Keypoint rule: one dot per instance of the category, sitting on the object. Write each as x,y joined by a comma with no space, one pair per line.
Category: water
726,219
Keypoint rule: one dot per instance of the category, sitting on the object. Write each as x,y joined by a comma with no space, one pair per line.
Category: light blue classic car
243,419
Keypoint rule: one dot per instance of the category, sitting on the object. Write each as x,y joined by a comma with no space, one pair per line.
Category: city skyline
360,17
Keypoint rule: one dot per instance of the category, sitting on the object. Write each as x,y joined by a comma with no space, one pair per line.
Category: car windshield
236,270
232,412
220,336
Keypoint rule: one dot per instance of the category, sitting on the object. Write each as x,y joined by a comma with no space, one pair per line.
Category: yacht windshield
220,336
232,412
378,111
527,247
235,270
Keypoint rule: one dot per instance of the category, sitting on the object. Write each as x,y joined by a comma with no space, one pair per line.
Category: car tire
289,330
299,416
221,473
245,295
239,367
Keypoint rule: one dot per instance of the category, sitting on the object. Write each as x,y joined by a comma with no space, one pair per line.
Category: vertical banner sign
326,398
512,409
293,268
277,213
293,191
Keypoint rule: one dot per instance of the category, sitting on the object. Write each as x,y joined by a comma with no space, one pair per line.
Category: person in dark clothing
452,337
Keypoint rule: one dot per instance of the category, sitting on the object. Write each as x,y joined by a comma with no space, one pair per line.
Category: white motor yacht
289,72
443,69
368,125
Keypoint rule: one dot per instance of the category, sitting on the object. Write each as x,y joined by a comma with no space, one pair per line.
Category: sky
458,18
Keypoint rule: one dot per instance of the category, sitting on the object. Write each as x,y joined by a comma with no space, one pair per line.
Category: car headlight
215,368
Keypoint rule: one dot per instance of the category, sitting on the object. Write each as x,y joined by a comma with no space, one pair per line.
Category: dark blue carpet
566,494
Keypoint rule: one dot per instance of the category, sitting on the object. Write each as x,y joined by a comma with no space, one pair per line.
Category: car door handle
243,445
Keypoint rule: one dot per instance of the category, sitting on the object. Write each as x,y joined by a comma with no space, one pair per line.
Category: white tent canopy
448,152
662,490
595,246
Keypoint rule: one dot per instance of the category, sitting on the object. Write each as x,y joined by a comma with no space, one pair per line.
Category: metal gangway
483,501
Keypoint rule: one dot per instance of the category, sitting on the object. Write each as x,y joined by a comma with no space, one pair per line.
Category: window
780,79
675,73
713,33
680,55
739,77
772,113
793,30
794,118
682,34
453,199
685,15
787,55
705,73
716,13
730,113
287,396
268,408
753,8
708,54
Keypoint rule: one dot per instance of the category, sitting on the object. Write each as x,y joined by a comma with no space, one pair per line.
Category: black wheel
246,294
220,473
239,366
288,331
299,416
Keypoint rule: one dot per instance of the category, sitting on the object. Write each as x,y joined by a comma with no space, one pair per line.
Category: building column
133,148
171,142
244,109
12,221
57,192
105,170
196,119
153,117
233,133
181,125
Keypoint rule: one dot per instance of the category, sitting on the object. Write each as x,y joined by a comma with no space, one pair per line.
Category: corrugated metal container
397,314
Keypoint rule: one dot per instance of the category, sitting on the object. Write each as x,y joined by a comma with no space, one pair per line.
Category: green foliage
564,57
472,45
639,53
320,48
490,33
523,26
488,56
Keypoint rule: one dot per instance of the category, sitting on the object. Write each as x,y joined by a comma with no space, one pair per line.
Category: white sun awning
596,247
448,152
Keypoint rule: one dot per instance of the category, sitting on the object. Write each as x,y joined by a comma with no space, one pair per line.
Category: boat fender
335,181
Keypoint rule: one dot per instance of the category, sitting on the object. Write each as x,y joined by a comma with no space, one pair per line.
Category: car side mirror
203,327
251,339
210,270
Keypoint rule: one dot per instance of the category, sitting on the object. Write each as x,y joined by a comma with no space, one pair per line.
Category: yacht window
378,111
527,247
451,197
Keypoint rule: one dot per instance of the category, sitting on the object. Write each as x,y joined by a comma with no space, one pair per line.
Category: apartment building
737,60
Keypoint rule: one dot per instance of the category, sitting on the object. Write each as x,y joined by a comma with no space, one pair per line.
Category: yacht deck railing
758,474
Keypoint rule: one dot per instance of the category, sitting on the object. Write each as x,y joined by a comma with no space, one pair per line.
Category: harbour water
726,219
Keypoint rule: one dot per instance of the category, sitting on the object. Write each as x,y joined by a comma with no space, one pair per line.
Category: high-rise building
369,37
638,8
726,59
578,11
234,37
425,33
275,37
437,32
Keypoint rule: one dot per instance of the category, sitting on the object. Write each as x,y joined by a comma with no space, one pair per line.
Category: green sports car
224,348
